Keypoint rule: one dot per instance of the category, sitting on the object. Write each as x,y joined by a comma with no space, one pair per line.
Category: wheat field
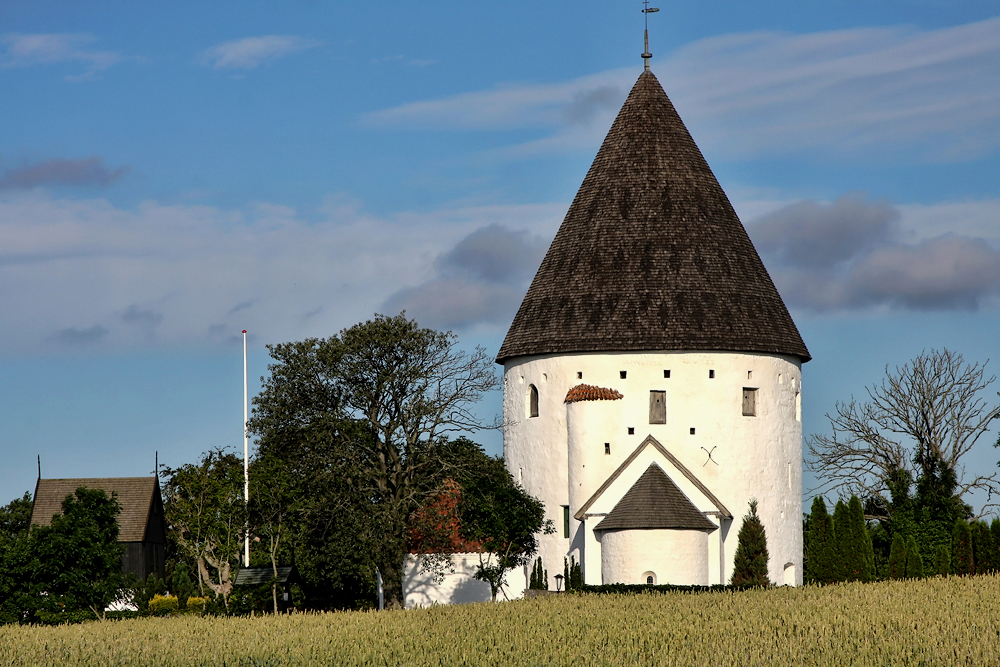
953,621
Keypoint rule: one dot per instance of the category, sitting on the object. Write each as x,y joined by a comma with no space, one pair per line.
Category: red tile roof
588,392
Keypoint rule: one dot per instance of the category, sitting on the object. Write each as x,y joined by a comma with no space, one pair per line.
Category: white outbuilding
652,375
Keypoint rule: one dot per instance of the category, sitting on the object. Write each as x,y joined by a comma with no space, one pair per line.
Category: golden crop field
954,621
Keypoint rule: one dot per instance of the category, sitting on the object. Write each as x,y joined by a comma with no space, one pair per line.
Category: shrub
897,557
914,563
196,604
161,605
750,562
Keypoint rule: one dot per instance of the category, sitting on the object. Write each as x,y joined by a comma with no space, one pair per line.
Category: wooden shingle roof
654,501
135,494
651,254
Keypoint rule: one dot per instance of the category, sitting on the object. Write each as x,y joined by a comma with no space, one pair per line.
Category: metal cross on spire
647,10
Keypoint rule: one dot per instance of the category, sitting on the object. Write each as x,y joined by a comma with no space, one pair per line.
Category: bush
196,604
161,605
750,562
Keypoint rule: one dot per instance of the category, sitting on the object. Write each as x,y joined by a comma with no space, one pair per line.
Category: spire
646,11
651,255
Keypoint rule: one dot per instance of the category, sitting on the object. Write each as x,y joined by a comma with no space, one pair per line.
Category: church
652,375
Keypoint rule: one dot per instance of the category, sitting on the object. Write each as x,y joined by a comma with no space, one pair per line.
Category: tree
858,556
272,503
77,560
375,402
15,519
914,563
206,516
539,580
821,561
844,539
963,560
942,561
897,557
750,562
928,412
982,547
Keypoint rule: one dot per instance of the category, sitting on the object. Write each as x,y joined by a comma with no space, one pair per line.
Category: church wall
671,556
560,457
457,587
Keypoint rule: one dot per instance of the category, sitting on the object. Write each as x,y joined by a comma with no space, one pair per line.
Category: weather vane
647,10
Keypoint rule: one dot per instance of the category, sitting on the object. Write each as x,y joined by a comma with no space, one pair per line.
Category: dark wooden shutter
749,402
657,407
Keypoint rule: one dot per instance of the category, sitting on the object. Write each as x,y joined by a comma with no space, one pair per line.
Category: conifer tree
942,561
995,554
897,557
962,560
750,562
914,563
822,554
575,575
982,547
845,546
859,559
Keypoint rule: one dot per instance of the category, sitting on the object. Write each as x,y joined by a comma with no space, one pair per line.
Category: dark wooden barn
141,526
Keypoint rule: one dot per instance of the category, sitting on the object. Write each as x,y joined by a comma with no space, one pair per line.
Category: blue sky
171,175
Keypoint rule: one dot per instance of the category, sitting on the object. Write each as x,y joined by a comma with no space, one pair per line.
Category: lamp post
559,582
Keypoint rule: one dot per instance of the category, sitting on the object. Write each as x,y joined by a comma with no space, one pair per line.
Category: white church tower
652,375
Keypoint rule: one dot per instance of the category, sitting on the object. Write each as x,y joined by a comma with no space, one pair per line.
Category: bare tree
929,410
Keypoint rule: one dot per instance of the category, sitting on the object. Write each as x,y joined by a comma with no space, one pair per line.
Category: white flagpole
246,453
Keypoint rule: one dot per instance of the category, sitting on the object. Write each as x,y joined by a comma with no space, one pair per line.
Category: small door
657,407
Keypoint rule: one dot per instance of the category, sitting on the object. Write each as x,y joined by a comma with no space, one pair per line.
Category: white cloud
250,52
47,49
87,272
840,92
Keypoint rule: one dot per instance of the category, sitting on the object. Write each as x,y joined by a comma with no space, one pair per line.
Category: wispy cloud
45,49
94,272
841,92
856,254
251,52
86,171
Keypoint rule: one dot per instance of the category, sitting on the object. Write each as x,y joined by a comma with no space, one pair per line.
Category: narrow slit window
579,375
565,521
749,402
607,448
711,374
657,407
692,430
532,401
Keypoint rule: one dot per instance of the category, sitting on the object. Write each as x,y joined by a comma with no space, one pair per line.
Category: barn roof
654,501
135,494
651,254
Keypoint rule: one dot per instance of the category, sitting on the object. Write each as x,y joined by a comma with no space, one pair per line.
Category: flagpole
246,454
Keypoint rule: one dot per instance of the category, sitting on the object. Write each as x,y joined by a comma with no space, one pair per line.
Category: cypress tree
897,557
942,561
575,575
860,560
844,545
914,563
567,582
963,561
822,554
750,562
982,547
995,555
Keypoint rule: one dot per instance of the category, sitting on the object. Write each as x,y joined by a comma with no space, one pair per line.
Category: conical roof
654,501
651,254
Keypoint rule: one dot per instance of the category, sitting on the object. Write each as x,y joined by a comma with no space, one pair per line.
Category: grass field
953,621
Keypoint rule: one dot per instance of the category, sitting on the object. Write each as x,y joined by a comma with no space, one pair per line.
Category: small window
711,374
607,448
666,373
579,375
532,401
692,430
798,407
649,579
749,402
622,374
749,375
565,521
631,430
657,407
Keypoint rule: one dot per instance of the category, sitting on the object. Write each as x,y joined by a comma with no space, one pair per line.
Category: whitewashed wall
559,455
458,587
671,556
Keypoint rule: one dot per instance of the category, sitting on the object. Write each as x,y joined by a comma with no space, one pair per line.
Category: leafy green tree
181,584
750,562
963,559
273,502
15,557
822,550
76,561
370,407
914,563
207,515
897,557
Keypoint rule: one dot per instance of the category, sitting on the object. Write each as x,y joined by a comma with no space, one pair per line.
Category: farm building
141,525
652,375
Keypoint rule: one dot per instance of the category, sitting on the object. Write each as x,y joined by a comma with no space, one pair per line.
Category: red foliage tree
435,527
